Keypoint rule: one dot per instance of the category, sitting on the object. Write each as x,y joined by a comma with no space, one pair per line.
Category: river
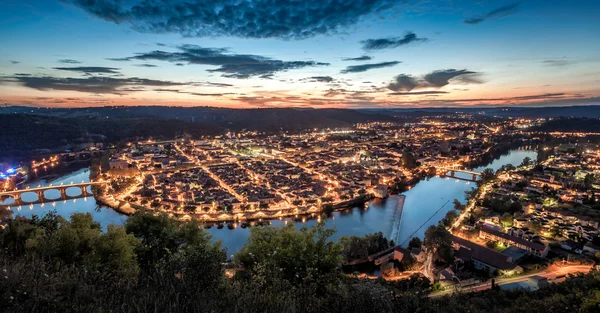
420,204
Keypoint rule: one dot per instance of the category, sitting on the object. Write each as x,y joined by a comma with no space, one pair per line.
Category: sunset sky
302,53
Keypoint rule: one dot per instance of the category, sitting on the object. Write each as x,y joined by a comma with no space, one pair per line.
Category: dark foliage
284,271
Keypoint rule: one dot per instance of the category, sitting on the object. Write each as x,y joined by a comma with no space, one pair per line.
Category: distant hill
590,125
23,134
224,116
29,129
591,111
290,119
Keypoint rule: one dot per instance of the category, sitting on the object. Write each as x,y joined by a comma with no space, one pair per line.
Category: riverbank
122,207
127,208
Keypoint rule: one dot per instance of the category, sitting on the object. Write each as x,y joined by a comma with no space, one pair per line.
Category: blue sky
435,53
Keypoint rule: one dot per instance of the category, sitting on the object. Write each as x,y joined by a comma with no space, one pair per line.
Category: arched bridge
41,198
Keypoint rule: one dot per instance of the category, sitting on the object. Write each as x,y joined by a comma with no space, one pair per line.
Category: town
245,176
521,224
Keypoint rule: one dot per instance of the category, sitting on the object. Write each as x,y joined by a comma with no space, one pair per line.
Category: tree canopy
282,269
305,256
438,241
354,247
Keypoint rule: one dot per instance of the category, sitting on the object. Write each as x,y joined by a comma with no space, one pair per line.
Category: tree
354,247
526,162
438,241
457,205
535,227
515,207
105,162
543,153
506,220
305,257
492,244
18,236
328,208
197,262
415,242
115,251
162,237
73,241
487,175
449,219
509,167
76,242
555,232
408,160
471,193
588,181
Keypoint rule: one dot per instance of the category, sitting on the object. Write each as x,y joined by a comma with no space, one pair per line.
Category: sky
299,53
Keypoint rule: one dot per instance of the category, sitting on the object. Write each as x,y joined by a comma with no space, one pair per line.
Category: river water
420,206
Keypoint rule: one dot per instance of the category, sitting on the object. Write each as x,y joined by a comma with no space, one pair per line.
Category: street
552,273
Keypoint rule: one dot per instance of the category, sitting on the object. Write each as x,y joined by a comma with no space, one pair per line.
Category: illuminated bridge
451,172
41,198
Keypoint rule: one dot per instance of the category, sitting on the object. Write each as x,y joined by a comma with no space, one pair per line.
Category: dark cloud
210,94
145,65
527,87
392,42
229,64
332,92
557,62
435,79
404,82
92,84
538,97
361,58
322,79
69,61
442,78
211,84
246,19
366,67
494,14
433,92
219,94
90,69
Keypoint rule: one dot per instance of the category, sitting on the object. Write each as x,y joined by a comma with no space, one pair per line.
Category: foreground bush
155,265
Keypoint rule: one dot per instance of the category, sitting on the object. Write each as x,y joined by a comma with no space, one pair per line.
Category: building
380,191
484,258
529,284
534,248
118,164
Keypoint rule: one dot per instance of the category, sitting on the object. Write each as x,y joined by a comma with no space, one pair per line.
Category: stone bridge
41,198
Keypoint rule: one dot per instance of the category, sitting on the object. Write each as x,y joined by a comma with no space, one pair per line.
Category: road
211,174
552,273
427,269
